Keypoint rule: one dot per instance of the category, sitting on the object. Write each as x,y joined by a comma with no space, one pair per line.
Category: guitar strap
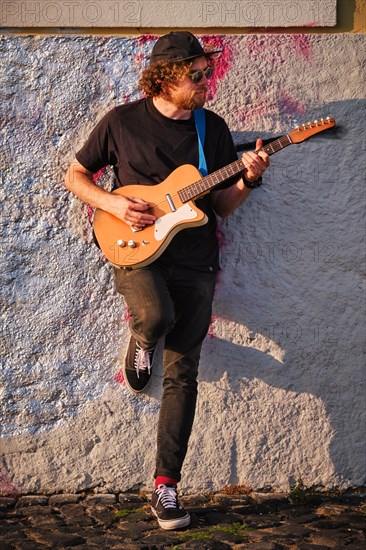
200,122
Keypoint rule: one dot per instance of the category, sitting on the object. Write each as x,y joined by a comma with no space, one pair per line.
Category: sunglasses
196,76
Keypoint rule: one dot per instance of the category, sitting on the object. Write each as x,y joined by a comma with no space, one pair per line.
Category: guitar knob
121,243
131,244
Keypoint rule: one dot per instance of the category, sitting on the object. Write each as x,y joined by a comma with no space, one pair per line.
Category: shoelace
142,359
167,496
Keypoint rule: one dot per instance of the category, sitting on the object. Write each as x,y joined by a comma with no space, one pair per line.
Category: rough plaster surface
282,392
168,13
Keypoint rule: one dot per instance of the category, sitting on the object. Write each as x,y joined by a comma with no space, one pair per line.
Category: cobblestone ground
220,521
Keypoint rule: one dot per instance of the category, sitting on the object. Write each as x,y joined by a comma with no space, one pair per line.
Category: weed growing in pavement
299,493
236,528
198,535
120,514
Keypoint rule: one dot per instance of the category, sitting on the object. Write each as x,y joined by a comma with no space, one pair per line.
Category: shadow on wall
270,324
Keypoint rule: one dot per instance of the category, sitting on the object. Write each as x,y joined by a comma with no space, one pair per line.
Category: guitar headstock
307,130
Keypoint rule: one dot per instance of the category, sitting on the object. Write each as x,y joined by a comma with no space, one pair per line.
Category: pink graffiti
266,48
302,46
6,486
127,315
119,378
98,174
146,39
220,233
138,58
90,212
278,49
222,62
211,331
290,106
257,111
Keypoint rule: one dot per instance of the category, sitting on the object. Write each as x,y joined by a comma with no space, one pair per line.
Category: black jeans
175,303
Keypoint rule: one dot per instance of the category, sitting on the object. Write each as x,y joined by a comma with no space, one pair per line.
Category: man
145,141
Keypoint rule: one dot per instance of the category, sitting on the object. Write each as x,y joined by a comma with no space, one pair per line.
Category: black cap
178,46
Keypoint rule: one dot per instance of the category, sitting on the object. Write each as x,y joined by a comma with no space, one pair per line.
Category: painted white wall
281,393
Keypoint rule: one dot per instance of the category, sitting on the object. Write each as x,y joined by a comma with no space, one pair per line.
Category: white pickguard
164,224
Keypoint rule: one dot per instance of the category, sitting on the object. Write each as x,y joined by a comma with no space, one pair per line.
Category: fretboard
202,186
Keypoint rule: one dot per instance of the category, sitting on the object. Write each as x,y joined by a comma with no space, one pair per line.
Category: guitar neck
204,185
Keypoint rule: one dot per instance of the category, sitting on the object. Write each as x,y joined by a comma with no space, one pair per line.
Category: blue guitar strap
200,121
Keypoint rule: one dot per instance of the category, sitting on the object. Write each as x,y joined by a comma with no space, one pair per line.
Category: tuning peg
315,122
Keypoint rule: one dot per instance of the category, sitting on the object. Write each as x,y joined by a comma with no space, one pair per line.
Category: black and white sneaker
166,508
138,366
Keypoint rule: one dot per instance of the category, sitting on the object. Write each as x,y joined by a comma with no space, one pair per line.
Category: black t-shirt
144,147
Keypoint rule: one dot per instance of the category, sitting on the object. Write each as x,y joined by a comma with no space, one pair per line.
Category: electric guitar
172,203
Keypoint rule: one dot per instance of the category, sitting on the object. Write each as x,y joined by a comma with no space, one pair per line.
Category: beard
188,102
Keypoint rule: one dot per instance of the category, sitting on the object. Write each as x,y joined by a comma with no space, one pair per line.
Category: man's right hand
131,210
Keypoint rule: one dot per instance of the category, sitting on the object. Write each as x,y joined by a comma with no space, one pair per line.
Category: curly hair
156,78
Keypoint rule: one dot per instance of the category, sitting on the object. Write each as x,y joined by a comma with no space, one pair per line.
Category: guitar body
124,247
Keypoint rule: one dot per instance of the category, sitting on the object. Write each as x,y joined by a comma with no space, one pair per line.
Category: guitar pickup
171,203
